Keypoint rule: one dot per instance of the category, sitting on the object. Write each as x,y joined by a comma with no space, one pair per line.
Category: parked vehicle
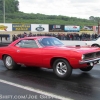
93,43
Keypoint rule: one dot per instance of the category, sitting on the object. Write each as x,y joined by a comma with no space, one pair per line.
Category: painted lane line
35,90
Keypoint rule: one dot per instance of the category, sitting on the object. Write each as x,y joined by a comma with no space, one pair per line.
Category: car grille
92,55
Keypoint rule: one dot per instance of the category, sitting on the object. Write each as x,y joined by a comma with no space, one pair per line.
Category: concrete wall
72,43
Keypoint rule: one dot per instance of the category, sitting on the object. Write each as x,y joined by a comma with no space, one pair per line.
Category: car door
28,53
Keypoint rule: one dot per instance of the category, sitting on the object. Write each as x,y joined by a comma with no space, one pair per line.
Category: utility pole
4,11
99,27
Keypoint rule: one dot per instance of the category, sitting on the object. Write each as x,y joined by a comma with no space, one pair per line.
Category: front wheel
62,68
9,63
87,68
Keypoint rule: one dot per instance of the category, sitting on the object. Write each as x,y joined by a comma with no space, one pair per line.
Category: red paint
42,56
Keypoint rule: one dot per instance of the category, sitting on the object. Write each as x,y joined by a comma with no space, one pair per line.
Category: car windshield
50,42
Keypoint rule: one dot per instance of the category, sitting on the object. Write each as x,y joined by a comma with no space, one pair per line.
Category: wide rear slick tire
9,63
87,68
62,68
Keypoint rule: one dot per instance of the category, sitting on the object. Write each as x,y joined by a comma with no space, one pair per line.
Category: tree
11,6
91,18
1,6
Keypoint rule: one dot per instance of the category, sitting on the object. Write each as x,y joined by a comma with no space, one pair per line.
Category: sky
71,8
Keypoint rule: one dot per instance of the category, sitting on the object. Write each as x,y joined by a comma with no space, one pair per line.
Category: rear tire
62,68
87,68
9,63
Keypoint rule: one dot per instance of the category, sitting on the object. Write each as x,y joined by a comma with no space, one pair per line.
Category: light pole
99,27
4,11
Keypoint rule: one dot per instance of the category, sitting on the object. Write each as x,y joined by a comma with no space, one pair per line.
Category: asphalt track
42,84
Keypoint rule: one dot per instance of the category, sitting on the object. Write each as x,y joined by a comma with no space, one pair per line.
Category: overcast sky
71,8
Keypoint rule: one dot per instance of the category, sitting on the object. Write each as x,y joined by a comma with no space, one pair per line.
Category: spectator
61,36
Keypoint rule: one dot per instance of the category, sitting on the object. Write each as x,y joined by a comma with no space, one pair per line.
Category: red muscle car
49,52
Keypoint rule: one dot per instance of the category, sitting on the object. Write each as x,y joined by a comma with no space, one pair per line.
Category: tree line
13,15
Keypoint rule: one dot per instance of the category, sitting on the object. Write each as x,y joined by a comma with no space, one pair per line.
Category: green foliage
20,17
1,7
11,6
13,15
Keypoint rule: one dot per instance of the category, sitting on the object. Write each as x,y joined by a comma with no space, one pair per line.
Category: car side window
45,42
27,44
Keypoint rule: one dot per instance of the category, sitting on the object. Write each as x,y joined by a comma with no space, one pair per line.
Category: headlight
83,56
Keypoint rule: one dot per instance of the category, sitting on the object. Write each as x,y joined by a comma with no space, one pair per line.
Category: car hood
82,50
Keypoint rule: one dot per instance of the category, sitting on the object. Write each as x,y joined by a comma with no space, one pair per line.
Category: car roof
34,37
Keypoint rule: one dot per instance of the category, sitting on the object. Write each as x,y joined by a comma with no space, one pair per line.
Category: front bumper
89,61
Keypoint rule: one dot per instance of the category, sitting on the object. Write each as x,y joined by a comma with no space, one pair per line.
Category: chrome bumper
89,61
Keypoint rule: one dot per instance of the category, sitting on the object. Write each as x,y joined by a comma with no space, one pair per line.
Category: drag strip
80,86
9,92
43,94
